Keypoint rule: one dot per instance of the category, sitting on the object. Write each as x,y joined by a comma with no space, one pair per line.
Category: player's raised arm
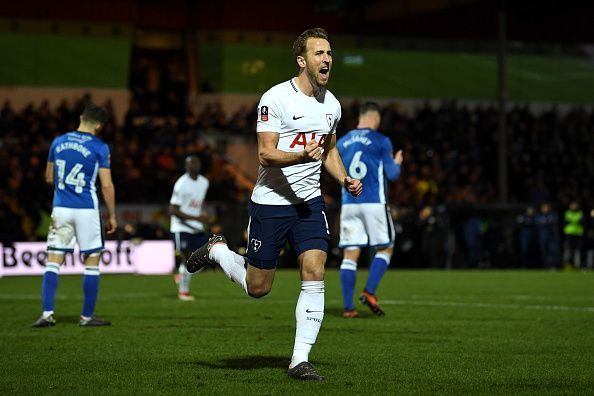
270,155
334,166
108,190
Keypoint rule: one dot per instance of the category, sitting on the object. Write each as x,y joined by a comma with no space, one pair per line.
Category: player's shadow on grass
337,312
364,315
248,363
68,319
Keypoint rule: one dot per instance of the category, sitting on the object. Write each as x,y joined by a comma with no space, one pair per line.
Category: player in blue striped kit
75,159
366,220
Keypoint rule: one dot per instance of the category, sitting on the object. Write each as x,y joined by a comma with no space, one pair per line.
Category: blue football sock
90,289
348,278
378,268
49,285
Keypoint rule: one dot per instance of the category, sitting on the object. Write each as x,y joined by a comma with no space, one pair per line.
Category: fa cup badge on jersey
329,119
264,113
255,244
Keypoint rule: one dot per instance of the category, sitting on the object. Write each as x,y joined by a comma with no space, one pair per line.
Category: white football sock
233,264
309,314
184,279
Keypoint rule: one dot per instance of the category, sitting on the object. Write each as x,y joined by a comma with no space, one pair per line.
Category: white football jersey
297,118
189,195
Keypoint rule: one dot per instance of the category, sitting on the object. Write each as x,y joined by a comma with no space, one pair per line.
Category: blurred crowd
444,201
147,154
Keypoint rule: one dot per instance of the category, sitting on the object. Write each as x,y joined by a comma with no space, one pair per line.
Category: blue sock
49,285
91,289
348,278
378,268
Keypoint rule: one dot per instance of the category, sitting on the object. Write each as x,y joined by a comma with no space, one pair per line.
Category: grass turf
444,332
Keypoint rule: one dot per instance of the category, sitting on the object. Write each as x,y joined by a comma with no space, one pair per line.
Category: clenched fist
353,186
312,151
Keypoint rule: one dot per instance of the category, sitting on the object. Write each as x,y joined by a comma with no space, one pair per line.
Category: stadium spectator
473,238
589,242
527,237
431,243
573,232
547,223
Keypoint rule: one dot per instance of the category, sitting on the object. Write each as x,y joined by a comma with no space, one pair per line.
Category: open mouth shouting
324,73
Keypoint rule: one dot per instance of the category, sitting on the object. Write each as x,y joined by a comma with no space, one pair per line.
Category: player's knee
312,273
352,254
92,259
257,287
258,291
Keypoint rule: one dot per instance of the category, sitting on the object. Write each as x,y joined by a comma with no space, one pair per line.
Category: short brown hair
300,44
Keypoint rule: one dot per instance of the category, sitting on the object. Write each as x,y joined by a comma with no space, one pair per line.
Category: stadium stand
445,201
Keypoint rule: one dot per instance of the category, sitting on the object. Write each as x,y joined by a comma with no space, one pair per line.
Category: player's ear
301,61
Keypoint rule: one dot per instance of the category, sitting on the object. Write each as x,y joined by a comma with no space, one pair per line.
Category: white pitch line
428,303
117,297
487,305
534,298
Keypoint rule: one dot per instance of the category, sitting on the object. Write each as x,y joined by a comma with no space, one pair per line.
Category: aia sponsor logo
301,139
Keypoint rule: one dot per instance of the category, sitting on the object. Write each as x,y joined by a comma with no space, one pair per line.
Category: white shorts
368,224
70,225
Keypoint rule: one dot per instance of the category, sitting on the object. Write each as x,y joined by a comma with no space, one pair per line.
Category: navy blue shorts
304,225
187,242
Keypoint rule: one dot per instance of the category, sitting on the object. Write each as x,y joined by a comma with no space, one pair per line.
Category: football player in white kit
74,161
296,129
187,227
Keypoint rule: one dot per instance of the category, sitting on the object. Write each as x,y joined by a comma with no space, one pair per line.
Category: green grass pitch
454,332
